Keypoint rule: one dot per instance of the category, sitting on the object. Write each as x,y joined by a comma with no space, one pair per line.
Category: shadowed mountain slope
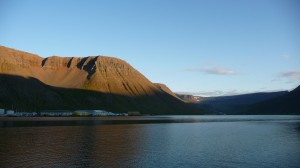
235,104
286,104
165,89
29,81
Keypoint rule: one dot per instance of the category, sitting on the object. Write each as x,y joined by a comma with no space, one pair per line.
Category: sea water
151,141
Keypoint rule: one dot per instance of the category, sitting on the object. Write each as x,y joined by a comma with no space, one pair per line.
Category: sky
199,47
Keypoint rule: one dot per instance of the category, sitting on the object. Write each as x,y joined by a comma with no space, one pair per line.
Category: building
26,114
10,112
2,111
81,113
56,113
93,113
133,113
102,113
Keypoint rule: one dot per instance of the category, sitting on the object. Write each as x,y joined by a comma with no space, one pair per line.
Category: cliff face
18,62
111,80
99,73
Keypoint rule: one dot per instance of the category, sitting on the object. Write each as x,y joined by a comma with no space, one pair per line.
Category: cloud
203,93
285,56
291,74
232,92
214,93
214,70
288,77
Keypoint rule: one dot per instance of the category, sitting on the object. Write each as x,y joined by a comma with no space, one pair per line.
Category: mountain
235,104
165,89
189,98
288,103
30,82
194,102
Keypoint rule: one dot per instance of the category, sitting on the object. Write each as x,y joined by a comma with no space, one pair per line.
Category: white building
10,112
56,113
102,113
2,112
25,114
93,113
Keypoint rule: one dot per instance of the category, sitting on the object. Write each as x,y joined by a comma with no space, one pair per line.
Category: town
65,113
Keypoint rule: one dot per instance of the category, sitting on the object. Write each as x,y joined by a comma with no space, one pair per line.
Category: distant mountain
285,104
30,82
236,104
189,98
195,103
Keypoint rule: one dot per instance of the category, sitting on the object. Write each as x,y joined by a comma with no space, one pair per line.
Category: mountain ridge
107,77
249,103
288,103
63,71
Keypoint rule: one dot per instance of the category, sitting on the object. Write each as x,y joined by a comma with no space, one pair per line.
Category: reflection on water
169,141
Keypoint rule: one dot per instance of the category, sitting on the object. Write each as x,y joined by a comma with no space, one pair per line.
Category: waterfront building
133,113
93,113
56,113
10,112
2,111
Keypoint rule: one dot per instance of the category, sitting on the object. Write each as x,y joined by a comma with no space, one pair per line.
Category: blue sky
202,47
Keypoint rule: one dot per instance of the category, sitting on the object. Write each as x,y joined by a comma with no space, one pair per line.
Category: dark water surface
154,141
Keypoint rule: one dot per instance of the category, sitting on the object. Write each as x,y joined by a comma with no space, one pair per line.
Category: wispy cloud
289,76
203,93
216,93
285,56
214,70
